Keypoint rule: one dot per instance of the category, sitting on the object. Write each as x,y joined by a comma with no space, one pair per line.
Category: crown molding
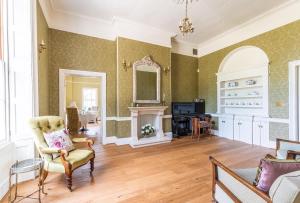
183,48
277,17
110,30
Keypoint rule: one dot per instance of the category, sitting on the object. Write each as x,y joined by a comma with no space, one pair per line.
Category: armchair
67,162
287,149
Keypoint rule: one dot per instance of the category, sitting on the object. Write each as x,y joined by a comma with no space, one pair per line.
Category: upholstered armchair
287,149
66,162
73,121
236,185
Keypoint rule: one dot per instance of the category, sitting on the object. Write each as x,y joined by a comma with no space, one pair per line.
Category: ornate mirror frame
146,61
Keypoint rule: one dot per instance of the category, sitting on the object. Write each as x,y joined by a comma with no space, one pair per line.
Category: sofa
236,185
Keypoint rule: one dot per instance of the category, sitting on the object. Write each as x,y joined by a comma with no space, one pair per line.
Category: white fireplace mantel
144,115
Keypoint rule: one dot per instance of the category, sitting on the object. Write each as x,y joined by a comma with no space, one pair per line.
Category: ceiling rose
185,25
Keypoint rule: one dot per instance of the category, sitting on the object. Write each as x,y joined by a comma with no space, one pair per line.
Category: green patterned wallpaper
281,45
184,78
79,52
131,51
42,34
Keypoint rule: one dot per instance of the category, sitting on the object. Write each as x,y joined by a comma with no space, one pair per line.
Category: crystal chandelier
185,25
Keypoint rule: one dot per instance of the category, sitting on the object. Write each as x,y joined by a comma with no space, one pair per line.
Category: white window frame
89,88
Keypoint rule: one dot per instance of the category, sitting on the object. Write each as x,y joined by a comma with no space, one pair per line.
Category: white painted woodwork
226,126
243,129
261,132
147,115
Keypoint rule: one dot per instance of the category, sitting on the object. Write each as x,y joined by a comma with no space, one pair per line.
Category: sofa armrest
221,172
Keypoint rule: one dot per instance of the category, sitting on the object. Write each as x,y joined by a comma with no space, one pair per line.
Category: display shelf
235,106
241,87
240,97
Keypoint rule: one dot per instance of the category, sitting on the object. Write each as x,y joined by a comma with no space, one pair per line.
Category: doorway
294,99
86,91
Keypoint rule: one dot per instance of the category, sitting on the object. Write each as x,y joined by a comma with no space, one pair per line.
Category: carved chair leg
92,166
69,181
42,180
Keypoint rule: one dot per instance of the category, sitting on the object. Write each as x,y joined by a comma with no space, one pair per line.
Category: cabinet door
265,139
245,131
257,132
226,128
237,130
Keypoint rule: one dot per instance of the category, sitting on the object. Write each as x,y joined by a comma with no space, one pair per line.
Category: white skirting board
127,140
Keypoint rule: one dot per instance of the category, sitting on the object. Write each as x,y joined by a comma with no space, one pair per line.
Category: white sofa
235,186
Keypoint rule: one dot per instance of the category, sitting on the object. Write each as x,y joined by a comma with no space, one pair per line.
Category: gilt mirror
146,81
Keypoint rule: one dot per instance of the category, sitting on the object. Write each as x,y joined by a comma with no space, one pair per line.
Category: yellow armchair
67,162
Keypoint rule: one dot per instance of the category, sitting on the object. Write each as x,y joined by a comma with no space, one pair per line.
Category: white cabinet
226,127
243,129
261,132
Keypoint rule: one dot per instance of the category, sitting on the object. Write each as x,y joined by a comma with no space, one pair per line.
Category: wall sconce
167,69
42,46
198,71
126,65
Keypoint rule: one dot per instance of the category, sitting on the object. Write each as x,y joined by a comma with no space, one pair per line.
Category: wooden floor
175,172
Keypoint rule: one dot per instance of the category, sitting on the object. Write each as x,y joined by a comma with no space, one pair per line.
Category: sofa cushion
248,174
271,169
286,188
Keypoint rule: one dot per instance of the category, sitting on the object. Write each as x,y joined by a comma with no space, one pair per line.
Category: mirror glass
146,75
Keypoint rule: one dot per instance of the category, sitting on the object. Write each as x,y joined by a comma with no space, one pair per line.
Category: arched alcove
243,82
244,58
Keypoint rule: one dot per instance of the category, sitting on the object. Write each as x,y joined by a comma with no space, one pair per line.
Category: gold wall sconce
42,46
166,70
126,65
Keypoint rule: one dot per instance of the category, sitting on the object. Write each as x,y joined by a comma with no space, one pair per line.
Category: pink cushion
271,169
59,140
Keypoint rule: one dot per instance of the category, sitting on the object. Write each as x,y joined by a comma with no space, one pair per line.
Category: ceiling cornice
277,17
109,30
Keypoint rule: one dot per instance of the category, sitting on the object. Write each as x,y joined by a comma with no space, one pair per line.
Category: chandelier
185,25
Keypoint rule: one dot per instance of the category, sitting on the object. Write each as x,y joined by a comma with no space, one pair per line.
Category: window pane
2,103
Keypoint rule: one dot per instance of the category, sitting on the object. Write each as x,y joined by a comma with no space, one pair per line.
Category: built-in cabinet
248,129
242,95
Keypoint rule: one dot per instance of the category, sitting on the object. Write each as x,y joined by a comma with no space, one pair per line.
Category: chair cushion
271,169
77,157
286,188
58,140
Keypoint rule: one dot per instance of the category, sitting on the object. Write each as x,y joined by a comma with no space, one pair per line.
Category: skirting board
123,141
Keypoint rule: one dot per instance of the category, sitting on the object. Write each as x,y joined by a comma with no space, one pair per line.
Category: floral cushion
58,140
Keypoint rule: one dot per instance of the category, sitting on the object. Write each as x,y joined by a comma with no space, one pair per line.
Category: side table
25,166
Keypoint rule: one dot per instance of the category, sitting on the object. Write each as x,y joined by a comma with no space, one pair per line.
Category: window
89,98
3,85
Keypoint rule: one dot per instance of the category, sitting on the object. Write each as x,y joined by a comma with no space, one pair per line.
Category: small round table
25,166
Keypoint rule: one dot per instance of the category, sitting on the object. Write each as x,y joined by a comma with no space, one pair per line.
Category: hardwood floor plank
175,172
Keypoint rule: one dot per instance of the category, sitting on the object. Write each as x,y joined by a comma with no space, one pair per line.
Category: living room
150,101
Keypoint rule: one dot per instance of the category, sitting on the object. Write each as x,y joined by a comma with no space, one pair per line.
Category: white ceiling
210,17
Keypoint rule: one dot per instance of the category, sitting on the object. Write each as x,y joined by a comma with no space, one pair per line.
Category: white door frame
294,68
62,95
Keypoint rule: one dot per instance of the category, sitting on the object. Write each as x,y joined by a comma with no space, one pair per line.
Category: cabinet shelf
241,87
233,106
240,97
